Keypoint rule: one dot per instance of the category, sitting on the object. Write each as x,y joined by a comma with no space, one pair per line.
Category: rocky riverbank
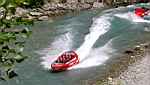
130,69
136,70
50,10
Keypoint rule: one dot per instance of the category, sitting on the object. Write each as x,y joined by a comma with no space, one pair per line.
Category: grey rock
21,12
97,5
72,1
72,6
50,6
90,1
36,13
137,48
49,13
55,1
86,6
43,18
30,17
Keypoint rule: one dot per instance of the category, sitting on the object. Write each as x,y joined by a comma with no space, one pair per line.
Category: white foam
131,6
60,45
131,17
100,26
96,56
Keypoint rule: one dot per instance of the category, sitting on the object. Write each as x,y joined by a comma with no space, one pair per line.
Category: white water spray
131,17
100,26
60,45
97,56
87,59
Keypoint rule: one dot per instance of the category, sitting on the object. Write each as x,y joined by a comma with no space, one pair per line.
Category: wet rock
129,52
86,6
55,1
110,79
50,6
60,6
40,10
89,1
132,56
49,13
145,45
43,18
30,17
72,6
12,74
72,1
36,13
108,2
97,5
137,48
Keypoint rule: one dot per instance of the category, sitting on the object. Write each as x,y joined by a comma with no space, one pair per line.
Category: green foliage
29,3
35,3
25,3
12,40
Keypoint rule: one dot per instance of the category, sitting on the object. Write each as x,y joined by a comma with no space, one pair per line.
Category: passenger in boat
147,10
65,57
140,12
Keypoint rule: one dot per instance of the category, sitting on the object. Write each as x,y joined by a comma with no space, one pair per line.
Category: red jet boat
141,11
64,61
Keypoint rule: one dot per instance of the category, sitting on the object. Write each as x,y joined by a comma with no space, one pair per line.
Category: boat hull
58,67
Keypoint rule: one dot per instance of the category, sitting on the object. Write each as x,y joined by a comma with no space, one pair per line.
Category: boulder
97,5
43,18
50,6
72,6
85,6
36,13
137,48
89,1
55,1
72,1
129,52
21,12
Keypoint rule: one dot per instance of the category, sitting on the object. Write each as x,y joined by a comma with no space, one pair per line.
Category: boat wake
87,59
132,17
59,46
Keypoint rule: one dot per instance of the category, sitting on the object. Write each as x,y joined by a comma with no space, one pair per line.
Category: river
97,36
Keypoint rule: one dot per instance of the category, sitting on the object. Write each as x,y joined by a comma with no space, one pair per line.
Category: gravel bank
132,68
138,73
